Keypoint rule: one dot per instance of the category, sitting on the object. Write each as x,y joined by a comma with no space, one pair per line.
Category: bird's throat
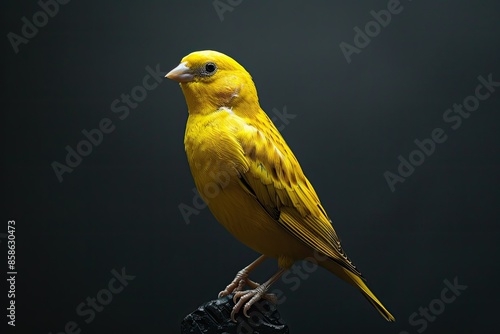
204,99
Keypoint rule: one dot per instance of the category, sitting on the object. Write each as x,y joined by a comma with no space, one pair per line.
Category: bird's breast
217,160
214,154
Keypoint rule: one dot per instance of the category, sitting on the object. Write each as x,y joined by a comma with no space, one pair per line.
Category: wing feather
274,177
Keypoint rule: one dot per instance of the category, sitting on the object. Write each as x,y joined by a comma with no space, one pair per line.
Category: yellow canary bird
251,180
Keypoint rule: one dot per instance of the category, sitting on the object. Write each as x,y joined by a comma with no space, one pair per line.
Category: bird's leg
242,279
250,297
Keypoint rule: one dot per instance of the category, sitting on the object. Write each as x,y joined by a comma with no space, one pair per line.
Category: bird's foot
239,283
249,297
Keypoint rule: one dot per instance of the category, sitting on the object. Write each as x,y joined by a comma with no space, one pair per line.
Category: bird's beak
181,73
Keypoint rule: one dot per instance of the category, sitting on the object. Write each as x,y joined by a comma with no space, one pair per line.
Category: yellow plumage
249,177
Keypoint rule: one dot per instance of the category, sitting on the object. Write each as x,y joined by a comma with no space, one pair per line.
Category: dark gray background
119,207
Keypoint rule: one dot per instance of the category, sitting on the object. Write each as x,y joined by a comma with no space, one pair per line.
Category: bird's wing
274,177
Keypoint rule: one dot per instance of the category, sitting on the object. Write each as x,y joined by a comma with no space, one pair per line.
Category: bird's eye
209,69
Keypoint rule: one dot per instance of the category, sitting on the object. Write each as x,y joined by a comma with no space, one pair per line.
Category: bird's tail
357,282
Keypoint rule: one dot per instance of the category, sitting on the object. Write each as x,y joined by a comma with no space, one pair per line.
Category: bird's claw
249,297
238,284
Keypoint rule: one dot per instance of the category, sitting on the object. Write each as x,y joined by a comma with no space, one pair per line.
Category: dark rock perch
214,317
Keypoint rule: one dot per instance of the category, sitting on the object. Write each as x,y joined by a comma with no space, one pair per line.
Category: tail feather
358,282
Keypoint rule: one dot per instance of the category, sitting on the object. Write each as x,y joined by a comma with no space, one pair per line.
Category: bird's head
211,80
